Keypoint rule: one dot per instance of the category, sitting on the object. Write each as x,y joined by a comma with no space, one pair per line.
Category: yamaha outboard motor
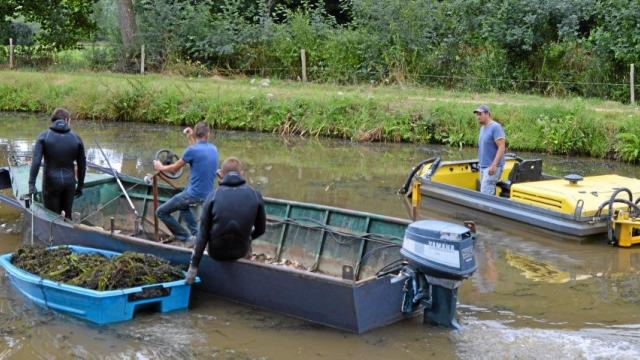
440,256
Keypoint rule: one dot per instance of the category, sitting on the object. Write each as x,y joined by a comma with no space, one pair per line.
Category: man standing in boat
60,147
232,217
491,149
203,160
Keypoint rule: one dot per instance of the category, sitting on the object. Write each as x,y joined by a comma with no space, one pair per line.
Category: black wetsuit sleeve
260,224
203,232
81,160
36,160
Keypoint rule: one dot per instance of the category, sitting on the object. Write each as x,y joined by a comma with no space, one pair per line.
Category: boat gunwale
304,273
507,201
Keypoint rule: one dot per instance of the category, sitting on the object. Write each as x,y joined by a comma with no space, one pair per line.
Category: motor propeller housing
439,256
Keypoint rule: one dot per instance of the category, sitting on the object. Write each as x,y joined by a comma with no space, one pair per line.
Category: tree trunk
270,5
128,29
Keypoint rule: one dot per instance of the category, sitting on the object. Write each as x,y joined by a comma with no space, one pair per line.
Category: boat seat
525,171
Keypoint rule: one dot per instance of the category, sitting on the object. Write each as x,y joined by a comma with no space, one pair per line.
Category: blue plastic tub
100,307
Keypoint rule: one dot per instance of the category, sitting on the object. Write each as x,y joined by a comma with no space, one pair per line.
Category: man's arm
260,224
157,165
81,161
203,232
501,149
35,164
499,138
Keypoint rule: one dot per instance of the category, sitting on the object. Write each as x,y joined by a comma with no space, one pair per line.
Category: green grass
409,114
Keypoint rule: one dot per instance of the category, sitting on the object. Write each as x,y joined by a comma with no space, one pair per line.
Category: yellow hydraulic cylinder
626,229
416,199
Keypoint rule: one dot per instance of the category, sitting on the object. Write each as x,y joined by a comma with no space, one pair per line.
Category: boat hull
499,209
343,304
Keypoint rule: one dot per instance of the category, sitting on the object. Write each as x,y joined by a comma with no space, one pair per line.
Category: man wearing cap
491,148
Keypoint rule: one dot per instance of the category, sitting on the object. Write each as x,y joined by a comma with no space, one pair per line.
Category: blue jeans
180,202
488,182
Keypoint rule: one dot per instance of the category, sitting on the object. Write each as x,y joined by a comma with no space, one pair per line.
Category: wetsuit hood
60,126
232,179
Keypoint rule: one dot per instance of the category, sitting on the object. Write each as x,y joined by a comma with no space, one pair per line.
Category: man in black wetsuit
60,148
232,216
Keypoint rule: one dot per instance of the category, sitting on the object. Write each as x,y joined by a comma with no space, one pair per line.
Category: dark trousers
59,197
180,202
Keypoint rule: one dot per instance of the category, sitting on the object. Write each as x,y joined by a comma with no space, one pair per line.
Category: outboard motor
440,256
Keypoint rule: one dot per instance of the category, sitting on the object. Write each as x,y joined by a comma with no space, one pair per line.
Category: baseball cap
482,109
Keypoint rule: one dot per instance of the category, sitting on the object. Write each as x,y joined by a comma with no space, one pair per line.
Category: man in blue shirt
203,160
491,148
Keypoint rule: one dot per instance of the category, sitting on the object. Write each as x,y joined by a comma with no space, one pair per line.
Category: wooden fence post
303,57
11,61
632,88
142,60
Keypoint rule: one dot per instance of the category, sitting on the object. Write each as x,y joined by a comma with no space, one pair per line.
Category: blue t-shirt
203,159
487,147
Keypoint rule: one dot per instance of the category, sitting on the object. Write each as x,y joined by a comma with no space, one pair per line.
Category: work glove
191,274
32,189
78,192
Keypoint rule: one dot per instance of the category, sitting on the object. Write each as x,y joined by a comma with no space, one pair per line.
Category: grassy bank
562,126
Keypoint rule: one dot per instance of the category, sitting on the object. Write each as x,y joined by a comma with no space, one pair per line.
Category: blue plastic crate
100,307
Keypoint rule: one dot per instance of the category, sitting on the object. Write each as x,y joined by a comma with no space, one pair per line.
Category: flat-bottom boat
322,264
573,207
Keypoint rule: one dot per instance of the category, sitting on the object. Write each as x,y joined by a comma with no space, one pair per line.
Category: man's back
232,217
61,148
203,159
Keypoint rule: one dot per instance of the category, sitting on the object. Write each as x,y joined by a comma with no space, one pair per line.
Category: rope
383,239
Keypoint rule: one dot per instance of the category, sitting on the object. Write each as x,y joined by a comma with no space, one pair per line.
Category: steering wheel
168,157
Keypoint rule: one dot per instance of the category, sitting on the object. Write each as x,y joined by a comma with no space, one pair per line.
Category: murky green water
531,297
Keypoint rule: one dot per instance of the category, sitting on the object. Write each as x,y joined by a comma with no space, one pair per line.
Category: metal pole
303,58
118,180
11,53
163,177
142,60
32,219
156,231
632,89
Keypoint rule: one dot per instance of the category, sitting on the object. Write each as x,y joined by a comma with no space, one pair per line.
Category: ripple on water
490,339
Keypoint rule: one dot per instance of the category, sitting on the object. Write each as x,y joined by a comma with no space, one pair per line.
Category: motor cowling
440,255
440,249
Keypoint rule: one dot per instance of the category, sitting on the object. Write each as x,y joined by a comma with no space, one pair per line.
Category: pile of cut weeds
95,271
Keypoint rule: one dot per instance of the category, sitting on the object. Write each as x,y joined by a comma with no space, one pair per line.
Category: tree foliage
62,23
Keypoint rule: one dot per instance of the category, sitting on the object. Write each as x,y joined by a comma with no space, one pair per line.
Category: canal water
532,296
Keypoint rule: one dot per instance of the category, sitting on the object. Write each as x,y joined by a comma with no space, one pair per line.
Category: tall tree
128,28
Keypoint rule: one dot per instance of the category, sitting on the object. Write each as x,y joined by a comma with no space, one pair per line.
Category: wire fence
105,56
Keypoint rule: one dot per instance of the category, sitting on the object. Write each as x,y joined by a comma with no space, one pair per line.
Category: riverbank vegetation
548,47
360,113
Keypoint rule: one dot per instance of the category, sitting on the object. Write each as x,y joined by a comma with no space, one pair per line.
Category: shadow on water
531,293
